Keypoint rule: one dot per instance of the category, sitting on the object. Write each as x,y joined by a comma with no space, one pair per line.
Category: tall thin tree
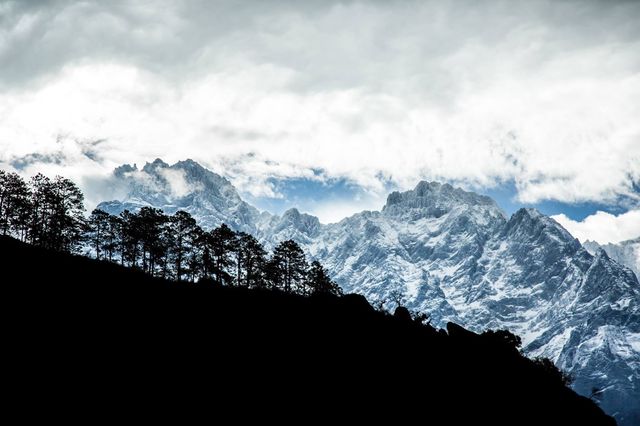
221,243
99,225
290,266
183,227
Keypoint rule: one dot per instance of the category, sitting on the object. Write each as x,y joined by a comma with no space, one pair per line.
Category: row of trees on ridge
50,213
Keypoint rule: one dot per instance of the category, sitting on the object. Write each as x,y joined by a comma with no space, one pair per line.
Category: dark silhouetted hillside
96,338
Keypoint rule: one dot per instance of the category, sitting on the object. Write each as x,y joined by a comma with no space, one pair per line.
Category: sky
329,105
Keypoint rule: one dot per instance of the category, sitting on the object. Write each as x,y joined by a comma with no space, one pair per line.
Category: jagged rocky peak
294,216
193,167
528,226
437,199
176,181
154,165
302,222
533,222
122,171
206,180
185,185
526,217
626,253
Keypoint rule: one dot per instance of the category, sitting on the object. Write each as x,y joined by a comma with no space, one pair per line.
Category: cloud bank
542,94
603,227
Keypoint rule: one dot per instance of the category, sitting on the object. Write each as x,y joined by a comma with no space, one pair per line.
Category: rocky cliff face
626,253
454,255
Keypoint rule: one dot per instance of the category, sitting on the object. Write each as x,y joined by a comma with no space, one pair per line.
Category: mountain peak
121,171
302,222
156,164
190,164
436,199
530,223
292,213
424,187
531,215
185,185
625,252
180,179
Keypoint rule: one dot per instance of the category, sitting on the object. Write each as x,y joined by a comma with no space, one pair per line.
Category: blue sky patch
319,195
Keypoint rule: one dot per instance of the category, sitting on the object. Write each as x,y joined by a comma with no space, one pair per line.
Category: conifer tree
251,259
41,208
183,228
110,246
221,243
99,226
318,280
289,267
14,205
129,238
67,222
195,256
150,223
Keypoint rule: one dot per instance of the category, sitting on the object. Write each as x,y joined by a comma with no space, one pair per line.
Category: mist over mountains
454,255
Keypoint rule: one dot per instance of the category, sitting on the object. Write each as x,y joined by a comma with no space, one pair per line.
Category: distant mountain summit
626,252
186,185
436,199
454,255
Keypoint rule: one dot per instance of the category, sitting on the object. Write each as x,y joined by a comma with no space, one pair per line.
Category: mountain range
454,255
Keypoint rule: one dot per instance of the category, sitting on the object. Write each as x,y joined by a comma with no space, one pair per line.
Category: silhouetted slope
98,336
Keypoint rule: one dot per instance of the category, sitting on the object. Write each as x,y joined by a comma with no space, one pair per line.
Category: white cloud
177,181
456,91
334,211
603,227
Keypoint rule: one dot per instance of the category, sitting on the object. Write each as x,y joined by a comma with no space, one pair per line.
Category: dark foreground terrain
90,341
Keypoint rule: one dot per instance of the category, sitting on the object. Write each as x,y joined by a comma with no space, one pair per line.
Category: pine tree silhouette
251,261
99,226
129,237
319,282
183,228
221,243
40,209
14,205
56,218
151,222
195,257
111,243
290,267
67,217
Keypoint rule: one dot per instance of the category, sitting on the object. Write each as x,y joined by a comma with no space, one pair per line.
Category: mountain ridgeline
437,250
454,255
103,329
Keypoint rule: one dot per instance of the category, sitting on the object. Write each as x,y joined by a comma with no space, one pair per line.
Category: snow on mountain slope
187,186
452,254
626,253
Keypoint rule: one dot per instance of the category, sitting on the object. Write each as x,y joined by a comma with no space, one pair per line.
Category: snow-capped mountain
626,253
187,186
456,256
